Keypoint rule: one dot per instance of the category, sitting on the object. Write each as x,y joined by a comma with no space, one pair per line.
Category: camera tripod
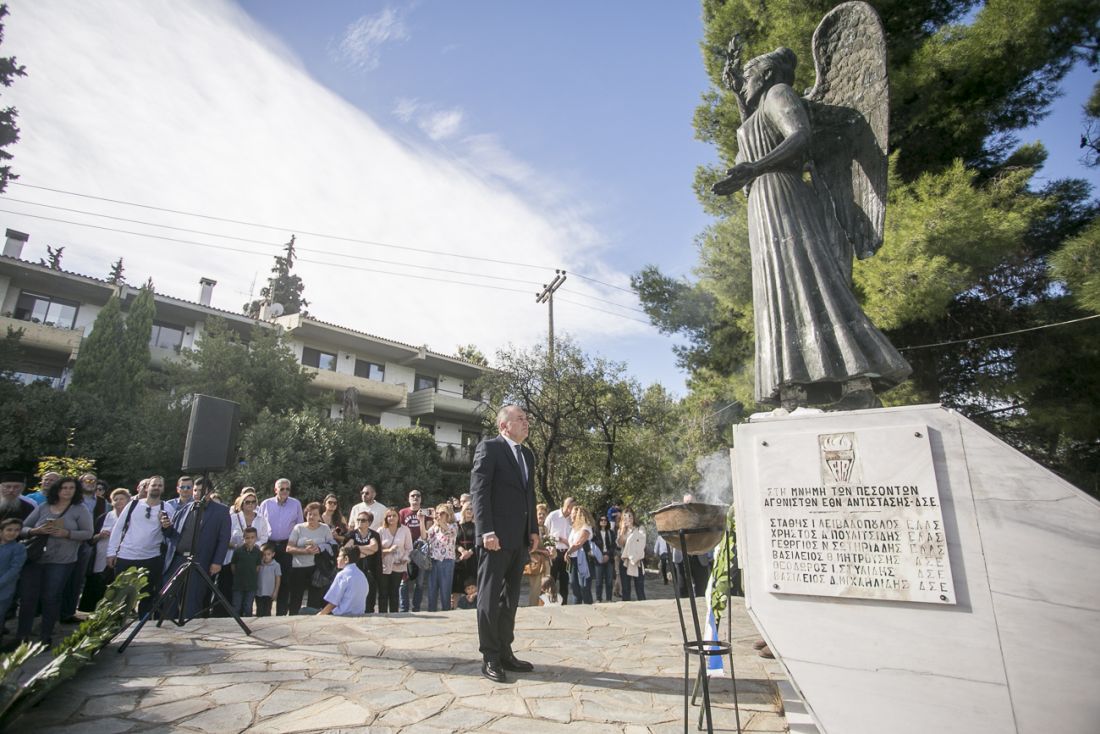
174,590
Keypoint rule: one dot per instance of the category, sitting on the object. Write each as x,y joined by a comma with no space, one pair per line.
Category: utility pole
547,296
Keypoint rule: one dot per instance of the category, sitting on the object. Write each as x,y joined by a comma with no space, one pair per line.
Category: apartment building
385,382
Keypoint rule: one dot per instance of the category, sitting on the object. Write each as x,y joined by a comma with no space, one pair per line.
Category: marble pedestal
1015,646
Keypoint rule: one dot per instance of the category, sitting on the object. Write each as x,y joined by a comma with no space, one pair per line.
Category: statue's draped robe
810,331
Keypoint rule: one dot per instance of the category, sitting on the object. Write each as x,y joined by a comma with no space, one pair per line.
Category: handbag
36,546
324,570
420,555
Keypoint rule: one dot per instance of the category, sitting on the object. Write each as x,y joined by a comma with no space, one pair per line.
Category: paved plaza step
613,667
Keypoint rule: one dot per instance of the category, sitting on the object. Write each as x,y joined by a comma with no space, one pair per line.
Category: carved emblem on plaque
838,457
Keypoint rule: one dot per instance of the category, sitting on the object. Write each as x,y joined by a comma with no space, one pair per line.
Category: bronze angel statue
814,344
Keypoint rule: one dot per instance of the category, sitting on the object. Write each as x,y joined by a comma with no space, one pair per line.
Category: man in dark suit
506,527
207,544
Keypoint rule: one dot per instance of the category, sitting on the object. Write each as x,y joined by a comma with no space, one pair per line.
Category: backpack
420,555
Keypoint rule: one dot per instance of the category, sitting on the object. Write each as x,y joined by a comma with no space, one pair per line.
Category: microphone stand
175,589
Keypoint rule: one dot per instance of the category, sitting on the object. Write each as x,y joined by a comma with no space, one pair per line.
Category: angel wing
850,114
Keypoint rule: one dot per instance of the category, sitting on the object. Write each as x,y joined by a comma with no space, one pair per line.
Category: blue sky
548,135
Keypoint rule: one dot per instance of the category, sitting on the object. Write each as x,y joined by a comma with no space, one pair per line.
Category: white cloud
405,108
442,124
361,44
162,119
485,153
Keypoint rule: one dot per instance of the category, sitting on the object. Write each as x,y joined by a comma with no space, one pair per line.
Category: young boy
246,564
469,599
268,578
347,597
13,555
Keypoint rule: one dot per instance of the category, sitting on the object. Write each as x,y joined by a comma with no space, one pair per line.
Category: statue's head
765,71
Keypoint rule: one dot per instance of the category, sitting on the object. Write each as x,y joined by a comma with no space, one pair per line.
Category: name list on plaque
855,514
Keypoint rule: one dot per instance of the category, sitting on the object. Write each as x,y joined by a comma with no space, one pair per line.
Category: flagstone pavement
614,668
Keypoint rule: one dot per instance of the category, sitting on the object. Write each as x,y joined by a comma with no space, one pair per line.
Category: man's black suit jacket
503,503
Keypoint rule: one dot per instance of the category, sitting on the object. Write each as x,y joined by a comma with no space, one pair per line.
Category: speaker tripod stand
175,590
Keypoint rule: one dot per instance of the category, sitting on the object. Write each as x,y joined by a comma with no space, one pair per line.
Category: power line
608,285
612,313
1003,333
227,248
300,230
265,243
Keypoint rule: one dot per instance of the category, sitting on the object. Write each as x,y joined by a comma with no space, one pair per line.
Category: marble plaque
854,514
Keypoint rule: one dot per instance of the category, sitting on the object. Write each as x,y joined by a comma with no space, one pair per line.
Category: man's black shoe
516,665
493,671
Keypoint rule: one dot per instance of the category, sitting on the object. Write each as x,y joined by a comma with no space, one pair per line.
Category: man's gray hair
502,414
280,480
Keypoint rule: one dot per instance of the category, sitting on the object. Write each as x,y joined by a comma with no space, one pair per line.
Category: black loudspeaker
211,435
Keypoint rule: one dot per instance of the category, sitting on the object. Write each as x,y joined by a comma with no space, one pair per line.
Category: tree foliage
973,245
116,276
100,368
596,434
261,374
321,455
9,130
113,363
472,354
283,287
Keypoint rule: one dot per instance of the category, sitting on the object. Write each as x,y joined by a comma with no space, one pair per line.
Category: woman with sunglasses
331,516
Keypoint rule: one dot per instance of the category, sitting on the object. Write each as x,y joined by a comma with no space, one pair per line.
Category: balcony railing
371,392
432,401
44,336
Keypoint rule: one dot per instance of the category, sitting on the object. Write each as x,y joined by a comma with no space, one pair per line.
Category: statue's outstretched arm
785,110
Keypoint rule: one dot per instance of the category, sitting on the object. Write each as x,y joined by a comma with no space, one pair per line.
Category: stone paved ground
604,668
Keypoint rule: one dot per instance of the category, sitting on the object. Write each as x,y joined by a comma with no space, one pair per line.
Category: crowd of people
61,545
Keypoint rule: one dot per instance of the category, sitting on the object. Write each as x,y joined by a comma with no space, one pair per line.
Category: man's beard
9,502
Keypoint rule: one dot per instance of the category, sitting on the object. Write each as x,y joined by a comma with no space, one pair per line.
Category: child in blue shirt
12,557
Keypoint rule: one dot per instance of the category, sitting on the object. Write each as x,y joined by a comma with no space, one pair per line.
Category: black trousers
388,584
499,574
559,570
154,580
285,561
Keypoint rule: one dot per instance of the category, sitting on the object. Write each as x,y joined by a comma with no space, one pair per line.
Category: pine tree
283,287
116,276
113,363
100,369
9,131
53,257
139,328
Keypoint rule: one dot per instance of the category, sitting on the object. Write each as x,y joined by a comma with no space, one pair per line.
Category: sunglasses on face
250,502
363,519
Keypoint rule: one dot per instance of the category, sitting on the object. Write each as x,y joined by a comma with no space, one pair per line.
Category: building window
46,310
370,370
166,336
423,382
369,420
317,358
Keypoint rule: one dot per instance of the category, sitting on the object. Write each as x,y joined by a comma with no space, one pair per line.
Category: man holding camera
137,537
413,517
